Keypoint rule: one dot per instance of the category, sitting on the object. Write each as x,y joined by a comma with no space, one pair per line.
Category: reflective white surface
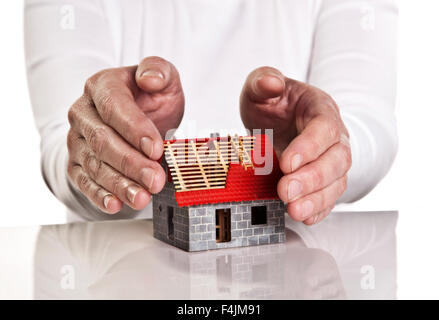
350,255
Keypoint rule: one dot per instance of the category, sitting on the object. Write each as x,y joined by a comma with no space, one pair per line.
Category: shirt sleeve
354,60
64,45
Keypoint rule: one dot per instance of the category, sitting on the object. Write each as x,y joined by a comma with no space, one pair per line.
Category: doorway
171,223
223,225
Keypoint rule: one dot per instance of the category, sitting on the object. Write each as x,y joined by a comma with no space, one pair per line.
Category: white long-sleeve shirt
345,47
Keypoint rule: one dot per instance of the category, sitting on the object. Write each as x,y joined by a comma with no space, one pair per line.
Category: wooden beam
211,175
216,183
196,189
190,182
246,156
180,179
194,148
220,156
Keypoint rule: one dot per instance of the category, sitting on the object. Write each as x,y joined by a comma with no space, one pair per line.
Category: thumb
155,74
262,84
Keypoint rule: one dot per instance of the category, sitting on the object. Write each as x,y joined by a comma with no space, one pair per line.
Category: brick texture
194,227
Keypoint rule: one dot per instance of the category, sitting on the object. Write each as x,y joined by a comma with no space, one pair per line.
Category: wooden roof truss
199,165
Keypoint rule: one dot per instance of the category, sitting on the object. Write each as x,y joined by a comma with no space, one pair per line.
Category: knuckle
332,129
126,163
98,140
317,178
321,200
124,75
92,165
71,115
90,83
346,156
75,113
106,107
83,182
93,82
119,183
98,195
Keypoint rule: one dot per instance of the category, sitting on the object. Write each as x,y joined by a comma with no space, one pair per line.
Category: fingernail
254,85
152,73
294,189
148,176
107,199
307,209
296,162
131,193
264,75
147,146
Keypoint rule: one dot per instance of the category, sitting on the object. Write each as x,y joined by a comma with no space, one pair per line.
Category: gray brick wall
243,233
194,227
160,205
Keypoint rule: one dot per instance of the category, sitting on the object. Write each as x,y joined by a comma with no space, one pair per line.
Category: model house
219,194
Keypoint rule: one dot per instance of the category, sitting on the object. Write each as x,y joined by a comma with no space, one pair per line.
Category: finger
117,108
319,135
318,217
125,189
312,204
155,74
263,84
332,165
103,199
109,147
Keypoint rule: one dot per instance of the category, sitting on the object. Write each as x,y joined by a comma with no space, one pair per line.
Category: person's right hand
116,132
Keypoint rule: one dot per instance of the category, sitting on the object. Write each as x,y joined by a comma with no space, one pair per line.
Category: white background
411,186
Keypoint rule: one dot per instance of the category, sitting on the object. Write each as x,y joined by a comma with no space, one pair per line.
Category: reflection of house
121,260
251,273
215,196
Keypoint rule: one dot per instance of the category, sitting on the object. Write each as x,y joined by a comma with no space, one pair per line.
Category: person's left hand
309,137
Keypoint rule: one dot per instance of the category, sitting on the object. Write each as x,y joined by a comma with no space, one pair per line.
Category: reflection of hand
314,274
116,133
308,133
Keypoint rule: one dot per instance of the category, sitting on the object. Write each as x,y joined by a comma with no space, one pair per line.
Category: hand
309,136
116,133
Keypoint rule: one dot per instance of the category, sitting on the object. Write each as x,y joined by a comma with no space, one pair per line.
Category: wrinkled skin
309,137
117,130
118,125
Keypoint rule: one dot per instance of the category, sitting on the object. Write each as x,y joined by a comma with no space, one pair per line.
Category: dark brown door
170,223
223,233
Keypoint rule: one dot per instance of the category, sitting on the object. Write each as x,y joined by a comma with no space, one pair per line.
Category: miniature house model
215,196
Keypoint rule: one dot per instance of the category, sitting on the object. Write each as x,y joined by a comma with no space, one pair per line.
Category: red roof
241,184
